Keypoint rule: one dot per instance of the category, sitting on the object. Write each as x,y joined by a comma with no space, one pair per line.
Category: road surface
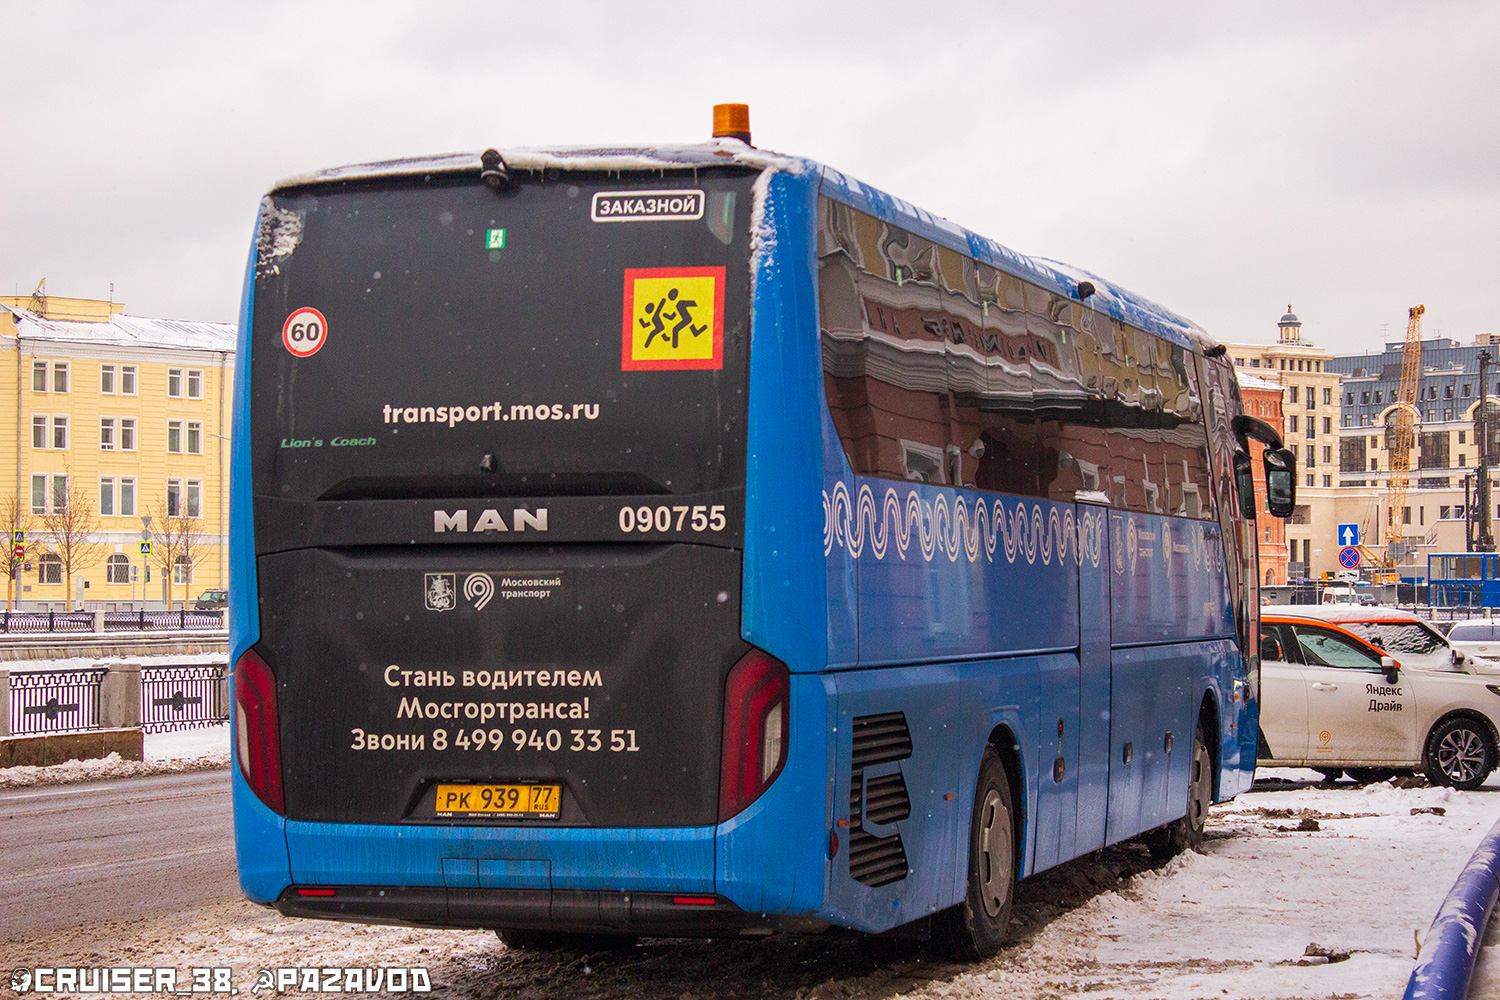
114,850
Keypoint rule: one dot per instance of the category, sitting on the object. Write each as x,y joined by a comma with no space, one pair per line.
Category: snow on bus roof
1057,277
128,331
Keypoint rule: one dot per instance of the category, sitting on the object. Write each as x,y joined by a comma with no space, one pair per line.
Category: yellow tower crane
1400,435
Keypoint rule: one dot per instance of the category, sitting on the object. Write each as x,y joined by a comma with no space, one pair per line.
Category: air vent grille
878,739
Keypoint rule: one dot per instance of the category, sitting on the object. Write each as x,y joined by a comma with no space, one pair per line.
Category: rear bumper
566,910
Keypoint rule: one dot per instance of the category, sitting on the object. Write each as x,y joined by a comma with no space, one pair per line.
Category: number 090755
700,518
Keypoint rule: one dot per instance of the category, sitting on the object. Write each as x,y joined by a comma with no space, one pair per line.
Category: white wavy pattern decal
959,527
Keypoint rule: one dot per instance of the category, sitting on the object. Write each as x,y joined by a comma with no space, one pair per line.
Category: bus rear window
432,337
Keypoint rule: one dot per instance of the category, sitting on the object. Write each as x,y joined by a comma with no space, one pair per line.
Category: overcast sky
1222,159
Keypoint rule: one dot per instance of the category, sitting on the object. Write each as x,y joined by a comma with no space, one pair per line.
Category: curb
1446,961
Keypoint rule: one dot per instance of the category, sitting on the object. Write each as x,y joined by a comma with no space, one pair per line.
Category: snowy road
1305,891
106,850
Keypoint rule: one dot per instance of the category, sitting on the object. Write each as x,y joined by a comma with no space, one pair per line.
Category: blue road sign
1348,534
1349,558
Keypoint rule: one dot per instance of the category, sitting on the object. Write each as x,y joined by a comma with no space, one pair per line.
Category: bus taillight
257,743
755,730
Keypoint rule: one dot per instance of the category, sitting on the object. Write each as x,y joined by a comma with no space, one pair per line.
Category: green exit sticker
494,239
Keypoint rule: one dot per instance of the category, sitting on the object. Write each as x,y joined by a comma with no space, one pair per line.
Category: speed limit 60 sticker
305,332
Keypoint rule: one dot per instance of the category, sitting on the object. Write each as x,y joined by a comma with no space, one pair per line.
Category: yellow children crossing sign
674,319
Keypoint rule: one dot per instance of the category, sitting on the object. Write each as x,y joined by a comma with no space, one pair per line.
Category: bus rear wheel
1186,834
976,928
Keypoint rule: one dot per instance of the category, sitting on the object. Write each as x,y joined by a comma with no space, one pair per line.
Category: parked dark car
211,600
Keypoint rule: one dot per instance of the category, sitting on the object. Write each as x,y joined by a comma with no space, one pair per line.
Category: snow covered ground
1304,890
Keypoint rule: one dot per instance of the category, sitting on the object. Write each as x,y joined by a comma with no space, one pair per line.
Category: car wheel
1187,833
522,940
1459,754
976,927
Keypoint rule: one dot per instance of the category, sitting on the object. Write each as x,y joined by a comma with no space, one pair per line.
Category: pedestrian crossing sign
145,548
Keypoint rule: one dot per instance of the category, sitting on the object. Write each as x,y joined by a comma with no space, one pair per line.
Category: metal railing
55,701
24,622
183,697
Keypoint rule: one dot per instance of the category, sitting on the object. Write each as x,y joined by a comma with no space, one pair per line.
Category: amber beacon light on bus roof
732,121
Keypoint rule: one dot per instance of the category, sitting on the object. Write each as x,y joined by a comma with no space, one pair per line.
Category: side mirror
1392,669
1281,481
1459,658
1244,485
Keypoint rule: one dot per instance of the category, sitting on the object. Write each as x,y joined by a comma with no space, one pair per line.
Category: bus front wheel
975,928
1187,833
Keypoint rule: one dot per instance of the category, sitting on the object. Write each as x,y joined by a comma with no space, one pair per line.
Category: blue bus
698,541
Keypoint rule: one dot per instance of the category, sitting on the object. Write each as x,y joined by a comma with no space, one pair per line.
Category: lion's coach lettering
489,520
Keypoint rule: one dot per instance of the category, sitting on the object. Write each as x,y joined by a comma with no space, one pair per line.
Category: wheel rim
996,854
1200,793
1461,754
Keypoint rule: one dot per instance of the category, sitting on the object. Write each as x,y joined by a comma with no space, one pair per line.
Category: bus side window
885,370
1007,462
1072,448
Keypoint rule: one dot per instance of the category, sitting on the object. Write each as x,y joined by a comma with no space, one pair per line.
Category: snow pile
204,749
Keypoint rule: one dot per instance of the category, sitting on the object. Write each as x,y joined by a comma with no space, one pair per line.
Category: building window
1292,390
1311,458
194,498
107,378
39,494
1239,362
106,433
49,568
1327,397
1255,362
1374,441
127,434
1312,429
195,437
1377,397
1327,454
1461,436
38,432
174,497
106,496
1327,425
1406,515
182,570
1309,479
127,379
59,432
117,569
1445,512
1468,390
1349,399
1327,480
1312,397
59,376
1461,462
127,496
174,436
39,376
1291,423
174,382
195,383
1374,465
59,494
1364,420
1447,414
1447,392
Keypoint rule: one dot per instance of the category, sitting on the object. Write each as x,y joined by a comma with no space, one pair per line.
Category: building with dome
1311,416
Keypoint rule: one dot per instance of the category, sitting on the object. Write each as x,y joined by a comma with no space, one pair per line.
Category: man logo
441,594
479,588
489,520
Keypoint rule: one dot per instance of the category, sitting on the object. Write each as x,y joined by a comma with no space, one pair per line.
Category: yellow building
132,415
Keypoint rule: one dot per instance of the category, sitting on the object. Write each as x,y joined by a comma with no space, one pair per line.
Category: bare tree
72,524
176,538
15,516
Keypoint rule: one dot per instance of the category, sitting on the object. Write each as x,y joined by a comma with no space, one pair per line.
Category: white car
1374,692
1477,638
